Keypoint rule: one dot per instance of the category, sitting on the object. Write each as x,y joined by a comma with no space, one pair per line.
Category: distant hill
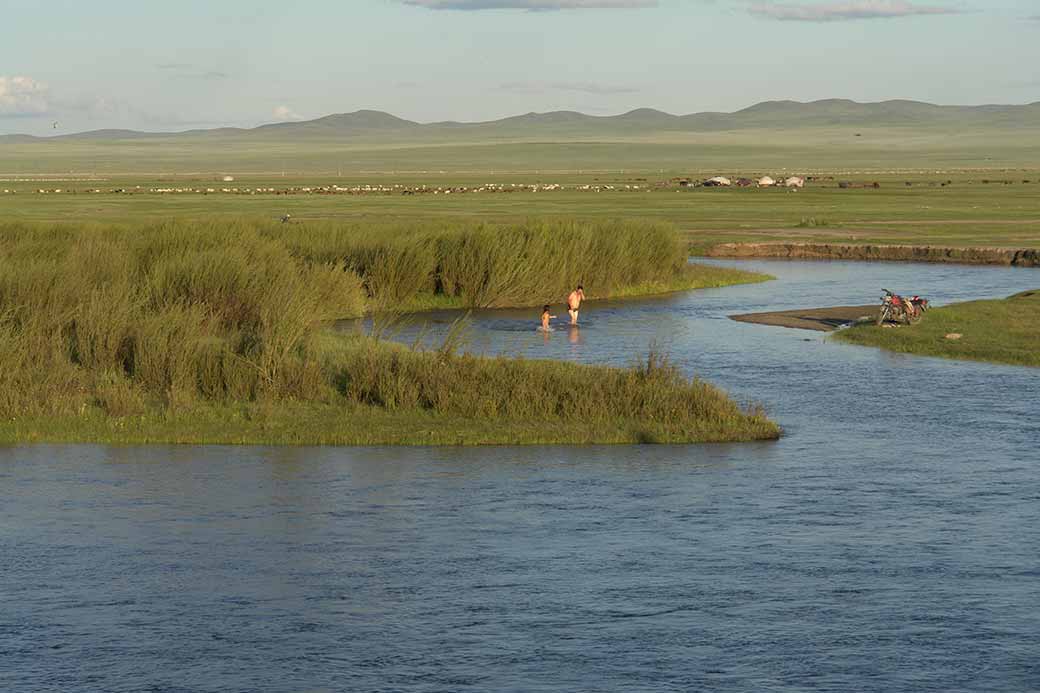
784,115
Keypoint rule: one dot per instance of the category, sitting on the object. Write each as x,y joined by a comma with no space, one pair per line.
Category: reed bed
153,322
479,265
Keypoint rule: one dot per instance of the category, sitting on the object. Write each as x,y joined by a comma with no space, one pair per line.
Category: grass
481,265
997,331
195,332
647,149
965,213
377,393
335,424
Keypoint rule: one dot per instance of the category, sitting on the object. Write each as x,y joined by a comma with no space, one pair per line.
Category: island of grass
998,331
220,333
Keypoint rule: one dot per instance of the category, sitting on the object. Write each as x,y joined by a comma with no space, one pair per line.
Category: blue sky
195,63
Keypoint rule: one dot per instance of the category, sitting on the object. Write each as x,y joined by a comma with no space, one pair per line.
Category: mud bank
818,319
894,253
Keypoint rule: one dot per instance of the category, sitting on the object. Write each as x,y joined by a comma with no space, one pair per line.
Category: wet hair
580,288
545,309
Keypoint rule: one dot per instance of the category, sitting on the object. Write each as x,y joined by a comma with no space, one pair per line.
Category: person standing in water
574,303
545,319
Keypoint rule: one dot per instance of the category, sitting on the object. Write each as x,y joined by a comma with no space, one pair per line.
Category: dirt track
819,319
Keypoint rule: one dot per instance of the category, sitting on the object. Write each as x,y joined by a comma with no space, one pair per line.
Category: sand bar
819,319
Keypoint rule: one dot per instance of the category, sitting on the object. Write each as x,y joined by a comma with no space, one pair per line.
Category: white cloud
846,10
535,5
283,112
23,96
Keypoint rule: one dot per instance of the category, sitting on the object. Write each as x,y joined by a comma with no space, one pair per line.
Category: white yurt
720,181
766,182
795,182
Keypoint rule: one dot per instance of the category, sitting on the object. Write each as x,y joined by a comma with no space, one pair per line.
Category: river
889,542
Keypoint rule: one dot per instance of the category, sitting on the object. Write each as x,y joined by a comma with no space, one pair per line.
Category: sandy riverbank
819,319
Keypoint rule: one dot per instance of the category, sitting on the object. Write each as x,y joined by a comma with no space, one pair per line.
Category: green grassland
984,156
998,331
967,212
222,332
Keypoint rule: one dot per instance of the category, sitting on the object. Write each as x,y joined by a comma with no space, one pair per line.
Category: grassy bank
217,333
999,331
366,392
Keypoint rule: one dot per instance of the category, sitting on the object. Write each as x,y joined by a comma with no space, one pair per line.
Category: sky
68,66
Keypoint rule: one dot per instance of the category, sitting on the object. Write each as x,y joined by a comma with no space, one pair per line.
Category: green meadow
965,212
945,175
998,331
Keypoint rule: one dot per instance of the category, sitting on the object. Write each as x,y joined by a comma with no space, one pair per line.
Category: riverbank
997,331
817,319
894,253
378,393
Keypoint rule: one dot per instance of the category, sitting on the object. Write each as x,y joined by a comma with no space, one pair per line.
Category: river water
889,542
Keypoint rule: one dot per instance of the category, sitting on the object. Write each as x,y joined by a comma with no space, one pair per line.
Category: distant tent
766,182
795,182
745,182
718,182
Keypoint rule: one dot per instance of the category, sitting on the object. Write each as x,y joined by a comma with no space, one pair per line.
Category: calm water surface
890,542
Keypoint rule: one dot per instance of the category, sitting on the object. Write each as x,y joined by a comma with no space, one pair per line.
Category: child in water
545,319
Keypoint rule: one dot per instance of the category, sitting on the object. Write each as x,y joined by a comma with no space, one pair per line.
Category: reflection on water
888,542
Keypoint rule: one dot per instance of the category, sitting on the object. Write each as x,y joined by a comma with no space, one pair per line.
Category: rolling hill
821,134
769,114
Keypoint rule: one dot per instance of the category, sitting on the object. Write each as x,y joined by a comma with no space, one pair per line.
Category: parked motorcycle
919,303
895,308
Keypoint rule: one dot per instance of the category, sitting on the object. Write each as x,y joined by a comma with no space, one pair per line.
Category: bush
176,312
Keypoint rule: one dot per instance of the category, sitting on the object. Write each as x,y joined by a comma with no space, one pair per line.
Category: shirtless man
574,303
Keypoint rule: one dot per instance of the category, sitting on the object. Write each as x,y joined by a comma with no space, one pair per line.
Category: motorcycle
919,303
895,308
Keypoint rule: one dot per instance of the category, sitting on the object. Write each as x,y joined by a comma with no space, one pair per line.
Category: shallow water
891,541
